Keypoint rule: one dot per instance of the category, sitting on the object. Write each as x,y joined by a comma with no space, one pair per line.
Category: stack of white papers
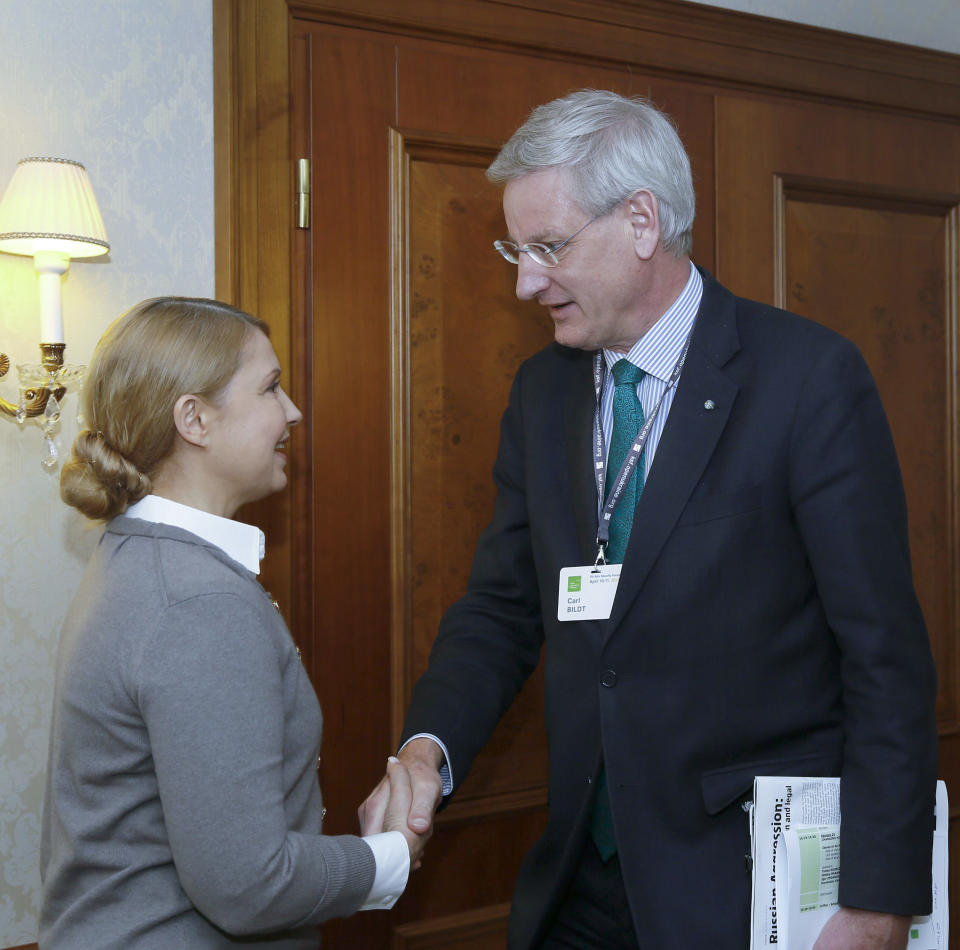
796,849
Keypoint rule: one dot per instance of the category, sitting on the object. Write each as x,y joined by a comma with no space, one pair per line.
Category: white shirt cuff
446,773
392,855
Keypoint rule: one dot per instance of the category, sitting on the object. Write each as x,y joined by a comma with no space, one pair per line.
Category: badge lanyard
633,456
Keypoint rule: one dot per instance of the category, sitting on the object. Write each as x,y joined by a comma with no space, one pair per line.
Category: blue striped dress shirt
656,353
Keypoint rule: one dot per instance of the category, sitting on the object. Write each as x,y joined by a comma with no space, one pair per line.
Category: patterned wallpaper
126,87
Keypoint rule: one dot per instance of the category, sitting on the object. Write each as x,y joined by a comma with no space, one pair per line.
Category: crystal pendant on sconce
21,414
52,411
52,458
50,422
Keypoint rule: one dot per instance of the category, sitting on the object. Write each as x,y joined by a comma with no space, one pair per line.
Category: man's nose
532,278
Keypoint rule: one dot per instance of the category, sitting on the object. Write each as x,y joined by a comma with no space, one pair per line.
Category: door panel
874,274
485,929
456,353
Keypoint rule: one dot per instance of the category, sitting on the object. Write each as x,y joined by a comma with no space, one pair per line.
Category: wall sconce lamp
48,212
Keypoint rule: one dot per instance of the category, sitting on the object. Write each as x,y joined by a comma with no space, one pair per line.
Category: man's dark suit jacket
765,623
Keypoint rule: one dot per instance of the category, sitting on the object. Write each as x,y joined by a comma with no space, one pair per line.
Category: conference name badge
586,593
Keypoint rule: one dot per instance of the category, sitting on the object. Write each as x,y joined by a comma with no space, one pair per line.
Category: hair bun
97,480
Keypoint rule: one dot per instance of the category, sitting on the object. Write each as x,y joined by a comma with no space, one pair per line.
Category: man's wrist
426,749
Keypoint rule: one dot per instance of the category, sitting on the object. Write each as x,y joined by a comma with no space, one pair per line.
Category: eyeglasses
543,254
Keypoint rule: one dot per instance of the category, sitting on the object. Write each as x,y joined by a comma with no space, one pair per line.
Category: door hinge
303,193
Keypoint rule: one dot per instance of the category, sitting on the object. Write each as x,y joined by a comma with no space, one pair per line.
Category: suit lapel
578,413
688,441
578,438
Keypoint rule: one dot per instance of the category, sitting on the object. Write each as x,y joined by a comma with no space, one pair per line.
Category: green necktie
627,422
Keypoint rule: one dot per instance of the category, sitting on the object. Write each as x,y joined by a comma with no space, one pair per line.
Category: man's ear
644,214
191,417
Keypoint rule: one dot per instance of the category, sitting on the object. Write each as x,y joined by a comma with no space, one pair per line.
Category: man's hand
422,759
398,809
853,929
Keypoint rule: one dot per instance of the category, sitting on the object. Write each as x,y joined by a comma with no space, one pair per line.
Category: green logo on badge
573,583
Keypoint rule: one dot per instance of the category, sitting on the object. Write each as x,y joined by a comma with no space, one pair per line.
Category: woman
182,806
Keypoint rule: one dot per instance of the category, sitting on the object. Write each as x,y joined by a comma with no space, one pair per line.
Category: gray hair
613,146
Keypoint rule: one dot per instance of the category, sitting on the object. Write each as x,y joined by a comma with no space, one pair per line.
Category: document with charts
795,844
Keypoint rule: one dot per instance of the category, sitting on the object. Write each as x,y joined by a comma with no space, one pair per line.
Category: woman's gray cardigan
182,804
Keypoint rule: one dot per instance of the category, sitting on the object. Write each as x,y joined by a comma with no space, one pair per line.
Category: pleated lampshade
49,206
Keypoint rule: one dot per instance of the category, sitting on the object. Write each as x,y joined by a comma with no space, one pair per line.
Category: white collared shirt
245,543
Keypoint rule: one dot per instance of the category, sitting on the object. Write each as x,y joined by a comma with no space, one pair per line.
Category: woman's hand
397,810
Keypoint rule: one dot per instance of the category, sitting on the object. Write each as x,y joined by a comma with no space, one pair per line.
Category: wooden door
415,334
852,218
400,330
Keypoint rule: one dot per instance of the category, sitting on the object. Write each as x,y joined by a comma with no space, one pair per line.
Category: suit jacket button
609,678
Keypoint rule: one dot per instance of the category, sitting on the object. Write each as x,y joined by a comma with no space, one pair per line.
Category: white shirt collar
245,543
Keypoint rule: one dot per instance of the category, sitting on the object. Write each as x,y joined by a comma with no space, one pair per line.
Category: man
764,620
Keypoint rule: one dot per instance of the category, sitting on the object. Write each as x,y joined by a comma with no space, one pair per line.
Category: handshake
406,797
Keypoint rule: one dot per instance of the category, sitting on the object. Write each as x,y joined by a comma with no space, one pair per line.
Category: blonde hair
149,357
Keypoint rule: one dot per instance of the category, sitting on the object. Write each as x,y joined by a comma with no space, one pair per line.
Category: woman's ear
645,222
191,417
